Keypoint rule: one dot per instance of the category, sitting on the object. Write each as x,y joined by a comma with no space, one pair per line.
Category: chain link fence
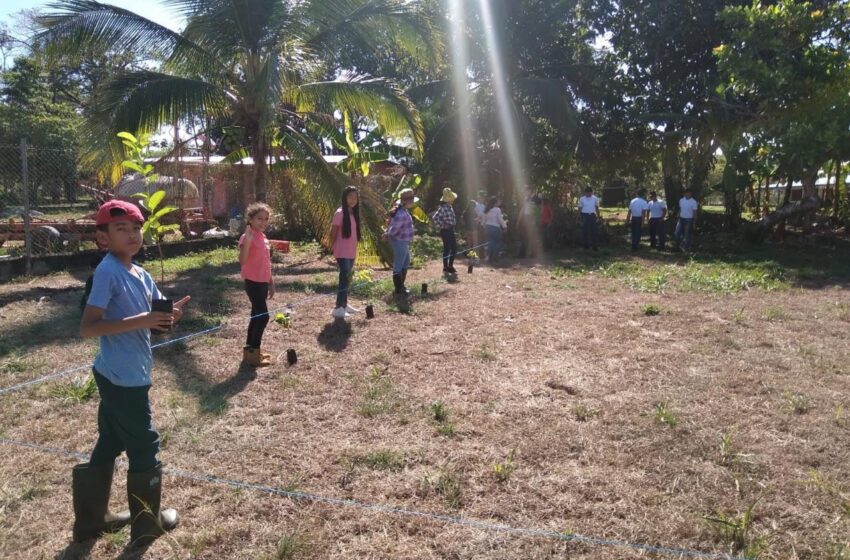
44,208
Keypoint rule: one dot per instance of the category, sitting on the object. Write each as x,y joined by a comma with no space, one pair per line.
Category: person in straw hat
400,233
445,220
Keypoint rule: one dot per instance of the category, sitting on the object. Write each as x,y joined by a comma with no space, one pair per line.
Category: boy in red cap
118,311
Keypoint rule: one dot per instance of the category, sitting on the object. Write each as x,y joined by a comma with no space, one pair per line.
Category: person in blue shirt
118,311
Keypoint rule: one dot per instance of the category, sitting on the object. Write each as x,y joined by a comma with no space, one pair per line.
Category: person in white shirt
657,228
638,209
588,205
479,212
495,226
688,210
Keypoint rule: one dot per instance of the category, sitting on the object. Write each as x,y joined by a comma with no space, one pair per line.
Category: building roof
821,182
219,160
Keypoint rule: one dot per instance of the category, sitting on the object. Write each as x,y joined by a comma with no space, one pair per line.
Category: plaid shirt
444,217
401,226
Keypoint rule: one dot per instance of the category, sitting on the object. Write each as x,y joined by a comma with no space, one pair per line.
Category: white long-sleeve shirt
495,218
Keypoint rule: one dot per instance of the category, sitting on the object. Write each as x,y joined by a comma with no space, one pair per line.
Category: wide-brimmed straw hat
448,195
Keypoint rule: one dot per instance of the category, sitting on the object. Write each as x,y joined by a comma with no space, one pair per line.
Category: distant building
222,184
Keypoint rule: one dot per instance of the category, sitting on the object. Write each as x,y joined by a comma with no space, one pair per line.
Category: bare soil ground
538,396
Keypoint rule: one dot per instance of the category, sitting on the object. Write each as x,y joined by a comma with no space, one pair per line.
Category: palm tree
263,66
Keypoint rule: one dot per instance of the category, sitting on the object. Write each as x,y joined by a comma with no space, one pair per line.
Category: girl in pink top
255,258
345,233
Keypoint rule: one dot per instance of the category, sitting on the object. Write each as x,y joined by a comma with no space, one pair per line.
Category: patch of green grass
732,277
372,289
503,470
736,531
449,486
840,416
77,390
823,484
739,317
18,362
726,449
379,395
796,403
290,547
775,314
584,413
568,271
382,460
664,414
650,310
620,269
652,281
220,257
711,276
439,411
446,429
839,551
117,539
485,354
195,321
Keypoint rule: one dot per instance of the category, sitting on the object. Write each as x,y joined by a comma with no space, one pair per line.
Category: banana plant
361,153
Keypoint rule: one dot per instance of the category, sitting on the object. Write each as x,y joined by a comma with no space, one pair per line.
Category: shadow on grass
59,327
77,551
335,335
213,397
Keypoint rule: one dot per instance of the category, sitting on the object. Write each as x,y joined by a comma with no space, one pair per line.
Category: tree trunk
670,168
805,206
787,199
261,170
839,186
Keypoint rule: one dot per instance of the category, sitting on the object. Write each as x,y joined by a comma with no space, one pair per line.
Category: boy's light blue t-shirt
125,359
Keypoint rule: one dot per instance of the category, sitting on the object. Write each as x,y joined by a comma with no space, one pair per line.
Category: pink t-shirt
345,248
258,266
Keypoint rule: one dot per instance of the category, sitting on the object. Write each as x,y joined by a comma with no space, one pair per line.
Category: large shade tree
261,66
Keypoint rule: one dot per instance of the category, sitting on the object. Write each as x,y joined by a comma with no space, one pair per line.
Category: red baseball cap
118,210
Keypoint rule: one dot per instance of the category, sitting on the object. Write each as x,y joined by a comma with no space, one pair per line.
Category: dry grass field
701,405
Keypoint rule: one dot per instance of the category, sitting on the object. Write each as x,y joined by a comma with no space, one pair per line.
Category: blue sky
151,9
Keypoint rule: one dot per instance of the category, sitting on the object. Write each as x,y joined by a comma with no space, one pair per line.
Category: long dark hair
348,212
491,203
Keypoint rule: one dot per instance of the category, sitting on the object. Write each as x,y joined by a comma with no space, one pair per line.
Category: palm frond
82,24
227,27
356,161
143,100
323,128
553,102
368,25
373,98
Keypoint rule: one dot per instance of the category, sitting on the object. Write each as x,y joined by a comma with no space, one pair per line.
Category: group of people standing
653,211
481,221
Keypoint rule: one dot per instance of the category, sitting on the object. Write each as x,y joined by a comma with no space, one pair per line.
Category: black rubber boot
91,486
399,287
404,290
144,491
